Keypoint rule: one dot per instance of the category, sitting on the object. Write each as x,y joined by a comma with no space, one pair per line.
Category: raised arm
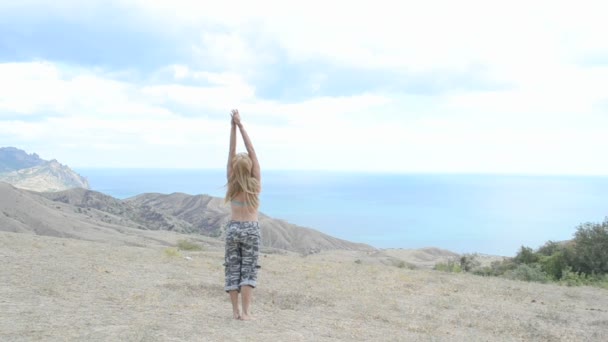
255,169
232,150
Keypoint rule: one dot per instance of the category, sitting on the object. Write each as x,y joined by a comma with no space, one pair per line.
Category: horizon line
354,171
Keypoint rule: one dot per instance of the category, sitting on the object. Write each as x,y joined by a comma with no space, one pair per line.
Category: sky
375,86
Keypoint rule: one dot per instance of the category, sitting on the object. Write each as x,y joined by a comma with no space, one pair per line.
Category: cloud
218,92
31,88
374,132
471,86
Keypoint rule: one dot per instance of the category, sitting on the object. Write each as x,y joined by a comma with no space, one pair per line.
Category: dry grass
187,245
55,289
172,252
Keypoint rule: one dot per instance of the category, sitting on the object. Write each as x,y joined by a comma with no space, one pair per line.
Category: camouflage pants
241,258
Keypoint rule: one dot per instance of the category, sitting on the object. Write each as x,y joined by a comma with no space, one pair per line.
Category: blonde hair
240,180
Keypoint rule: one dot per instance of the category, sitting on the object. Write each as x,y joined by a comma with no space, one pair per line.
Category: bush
186,245
582,261
496,268
526,256
403,264
485,271
572,278
503,266
601,281
172,252
549,248
553,264
449,266
469,262
527,272
591,248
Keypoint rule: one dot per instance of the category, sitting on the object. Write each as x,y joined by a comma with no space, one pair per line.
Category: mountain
50,176
12,159
123,212
201,214
27,212
207,216
195,215
29,172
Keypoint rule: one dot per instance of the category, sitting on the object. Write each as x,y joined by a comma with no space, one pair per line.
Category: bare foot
246,317
236,315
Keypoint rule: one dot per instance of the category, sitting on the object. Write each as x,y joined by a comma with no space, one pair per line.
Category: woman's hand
236,117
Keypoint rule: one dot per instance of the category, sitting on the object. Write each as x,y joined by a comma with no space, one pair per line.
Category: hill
29,172
28,212
90,215
207,215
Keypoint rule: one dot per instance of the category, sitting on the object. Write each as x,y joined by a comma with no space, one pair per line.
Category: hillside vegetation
580,261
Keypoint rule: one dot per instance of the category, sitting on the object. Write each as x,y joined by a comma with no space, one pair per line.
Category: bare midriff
241,210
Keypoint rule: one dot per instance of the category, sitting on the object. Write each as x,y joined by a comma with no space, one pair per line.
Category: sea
464,213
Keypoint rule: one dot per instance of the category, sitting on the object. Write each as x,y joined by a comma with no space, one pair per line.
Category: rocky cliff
12,159
32,173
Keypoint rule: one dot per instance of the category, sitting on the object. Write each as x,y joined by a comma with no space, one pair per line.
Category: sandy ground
59,289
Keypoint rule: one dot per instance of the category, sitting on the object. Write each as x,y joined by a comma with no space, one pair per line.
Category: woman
243,232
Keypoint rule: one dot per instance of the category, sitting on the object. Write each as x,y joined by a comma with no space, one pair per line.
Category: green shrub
485,271
553,264
571,278
525,256
448,266
602,281
549,248
469,262
503,266
525,272
496,268
186,245
591,248
403,264
582,261
172,252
